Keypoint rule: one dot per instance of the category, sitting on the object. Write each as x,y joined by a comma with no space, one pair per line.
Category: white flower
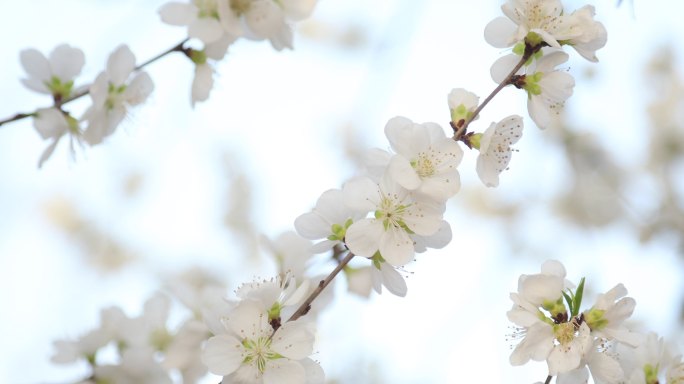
291,252
426,160
547,88
204,61
184,351
264,19
85,347
53,76
384,274
495,149
200,16
249,351
279,296
606,316
462,104
545,19
593,34
329,220
137,365
112,94
359,280
395,215
595,359
52,123
652,361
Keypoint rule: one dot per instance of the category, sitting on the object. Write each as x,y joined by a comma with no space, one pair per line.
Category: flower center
390,212
564,332
425,164
258,352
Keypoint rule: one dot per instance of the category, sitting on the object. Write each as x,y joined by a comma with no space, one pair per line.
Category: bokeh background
177,191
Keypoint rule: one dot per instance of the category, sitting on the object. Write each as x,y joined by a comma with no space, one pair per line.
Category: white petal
206,29
264,18
312,226
297,10
202,83
282,371
402,172
248,320
38,69
180,14
359,194
293,340
539,112
139,89
576,376
66,62
217,50
423,219
48,152
500,32
396,247
363,237
553,267
393,280
50,122
120,65
222,354
486,171
314,372
605,368
536,345
503,66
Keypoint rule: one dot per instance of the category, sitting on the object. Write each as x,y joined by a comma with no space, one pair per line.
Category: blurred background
178,191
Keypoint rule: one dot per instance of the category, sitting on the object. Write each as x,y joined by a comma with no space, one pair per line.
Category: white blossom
112,94
543,18
462,104
495,149
250,351
52,123
54,75
593,34
426,160
395,215
200,16
328,220
547,87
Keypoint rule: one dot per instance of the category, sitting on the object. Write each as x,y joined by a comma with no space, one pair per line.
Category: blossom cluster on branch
380,219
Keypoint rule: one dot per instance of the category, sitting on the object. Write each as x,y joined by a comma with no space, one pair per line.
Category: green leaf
577,300
568,299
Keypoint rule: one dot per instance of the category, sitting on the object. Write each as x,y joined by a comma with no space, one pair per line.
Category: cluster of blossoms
114,90
384,215
122,85
537,30
575,344
255,337
219,23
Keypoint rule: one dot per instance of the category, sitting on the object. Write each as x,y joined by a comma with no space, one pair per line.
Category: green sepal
651,374
594,318
274,311
533,39
519,49
198,57
377,260
475,140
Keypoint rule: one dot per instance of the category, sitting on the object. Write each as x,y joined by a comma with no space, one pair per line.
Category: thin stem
462,129
86,89
548,379
306,305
